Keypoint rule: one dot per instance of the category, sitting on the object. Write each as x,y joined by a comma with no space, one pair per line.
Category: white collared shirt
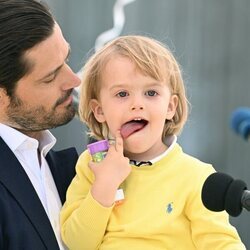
26,150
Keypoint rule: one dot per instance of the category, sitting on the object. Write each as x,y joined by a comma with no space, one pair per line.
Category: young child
133,92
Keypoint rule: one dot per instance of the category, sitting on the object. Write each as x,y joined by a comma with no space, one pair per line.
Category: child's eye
122,94
151,93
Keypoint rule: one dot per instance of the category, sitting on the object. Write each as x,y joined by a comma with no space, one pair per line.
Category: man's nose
71,79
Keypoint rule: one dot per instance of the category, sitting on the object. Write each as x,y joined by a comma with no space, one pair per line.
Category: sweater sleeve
83,220
210,230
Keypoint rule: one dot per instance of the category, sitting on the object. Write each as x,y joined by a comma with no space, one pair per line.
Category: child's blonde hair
153,59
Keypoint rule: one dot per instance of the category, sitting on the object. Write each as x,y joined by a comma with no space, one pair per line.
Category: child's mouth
133,126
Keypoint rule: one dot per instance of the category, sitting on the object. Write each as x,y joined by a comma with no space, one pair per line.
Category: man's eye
122,94
151,93
51,79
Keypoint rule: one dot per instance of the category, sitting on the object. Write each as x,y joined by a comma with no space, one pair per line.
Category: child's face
135,104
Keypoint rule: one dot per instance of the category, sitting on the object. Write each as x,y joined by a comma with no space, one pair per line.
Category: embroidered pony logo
169,208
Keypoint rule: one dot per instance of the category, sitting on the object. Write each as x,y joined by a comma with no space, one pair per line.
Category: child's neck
147,155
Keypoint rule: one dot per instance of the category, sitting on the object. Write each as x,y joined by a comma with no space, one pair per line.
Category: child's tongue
129,128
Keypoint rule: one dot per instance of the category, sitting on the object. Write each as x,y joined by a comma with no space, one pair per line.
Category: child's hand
110,173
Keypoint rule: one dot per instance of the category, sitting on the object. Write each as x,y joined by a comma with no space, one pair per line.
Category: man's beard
38,118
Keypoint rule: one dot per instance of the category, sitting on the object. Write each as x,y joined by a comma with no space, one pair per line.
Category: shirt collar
15,139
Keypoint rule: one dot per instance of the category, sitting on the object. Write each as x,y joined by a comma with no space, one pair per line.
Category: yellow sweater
162,210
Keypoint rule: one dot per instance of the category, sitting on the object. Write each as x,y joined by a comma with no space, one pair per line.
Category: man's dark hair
23,24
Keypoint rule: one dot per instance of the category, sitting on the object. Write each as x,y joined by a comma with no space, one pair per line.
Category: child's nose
137,103
137,107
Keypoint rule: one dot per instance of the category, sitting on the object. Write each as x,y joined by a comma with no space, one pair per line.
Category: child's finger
91,165
118,142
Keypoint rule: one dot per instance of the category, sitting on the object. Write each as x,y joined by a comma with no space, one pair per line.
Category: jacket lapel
53,161
62,165
14,178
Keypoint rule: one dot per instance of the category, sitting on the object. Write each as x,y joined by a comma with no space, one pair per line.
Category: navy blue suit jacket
24,224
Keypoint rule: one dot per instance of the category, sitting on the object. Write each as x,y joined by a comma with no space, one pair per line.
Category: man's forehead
48,55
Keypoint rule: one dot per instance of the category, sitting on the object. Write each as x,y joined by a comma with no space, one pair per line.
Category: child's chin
135,146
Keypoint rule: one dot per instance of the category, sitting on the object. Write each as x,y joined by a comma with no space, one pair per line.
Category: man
35,95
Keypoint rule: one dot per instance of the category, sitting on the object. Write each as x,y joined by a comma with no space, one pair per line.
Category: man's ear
172,105
97,110
3,96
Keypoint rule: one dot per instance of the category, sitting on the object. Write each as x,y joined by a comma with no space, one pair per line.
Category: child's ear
97,110
172,105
